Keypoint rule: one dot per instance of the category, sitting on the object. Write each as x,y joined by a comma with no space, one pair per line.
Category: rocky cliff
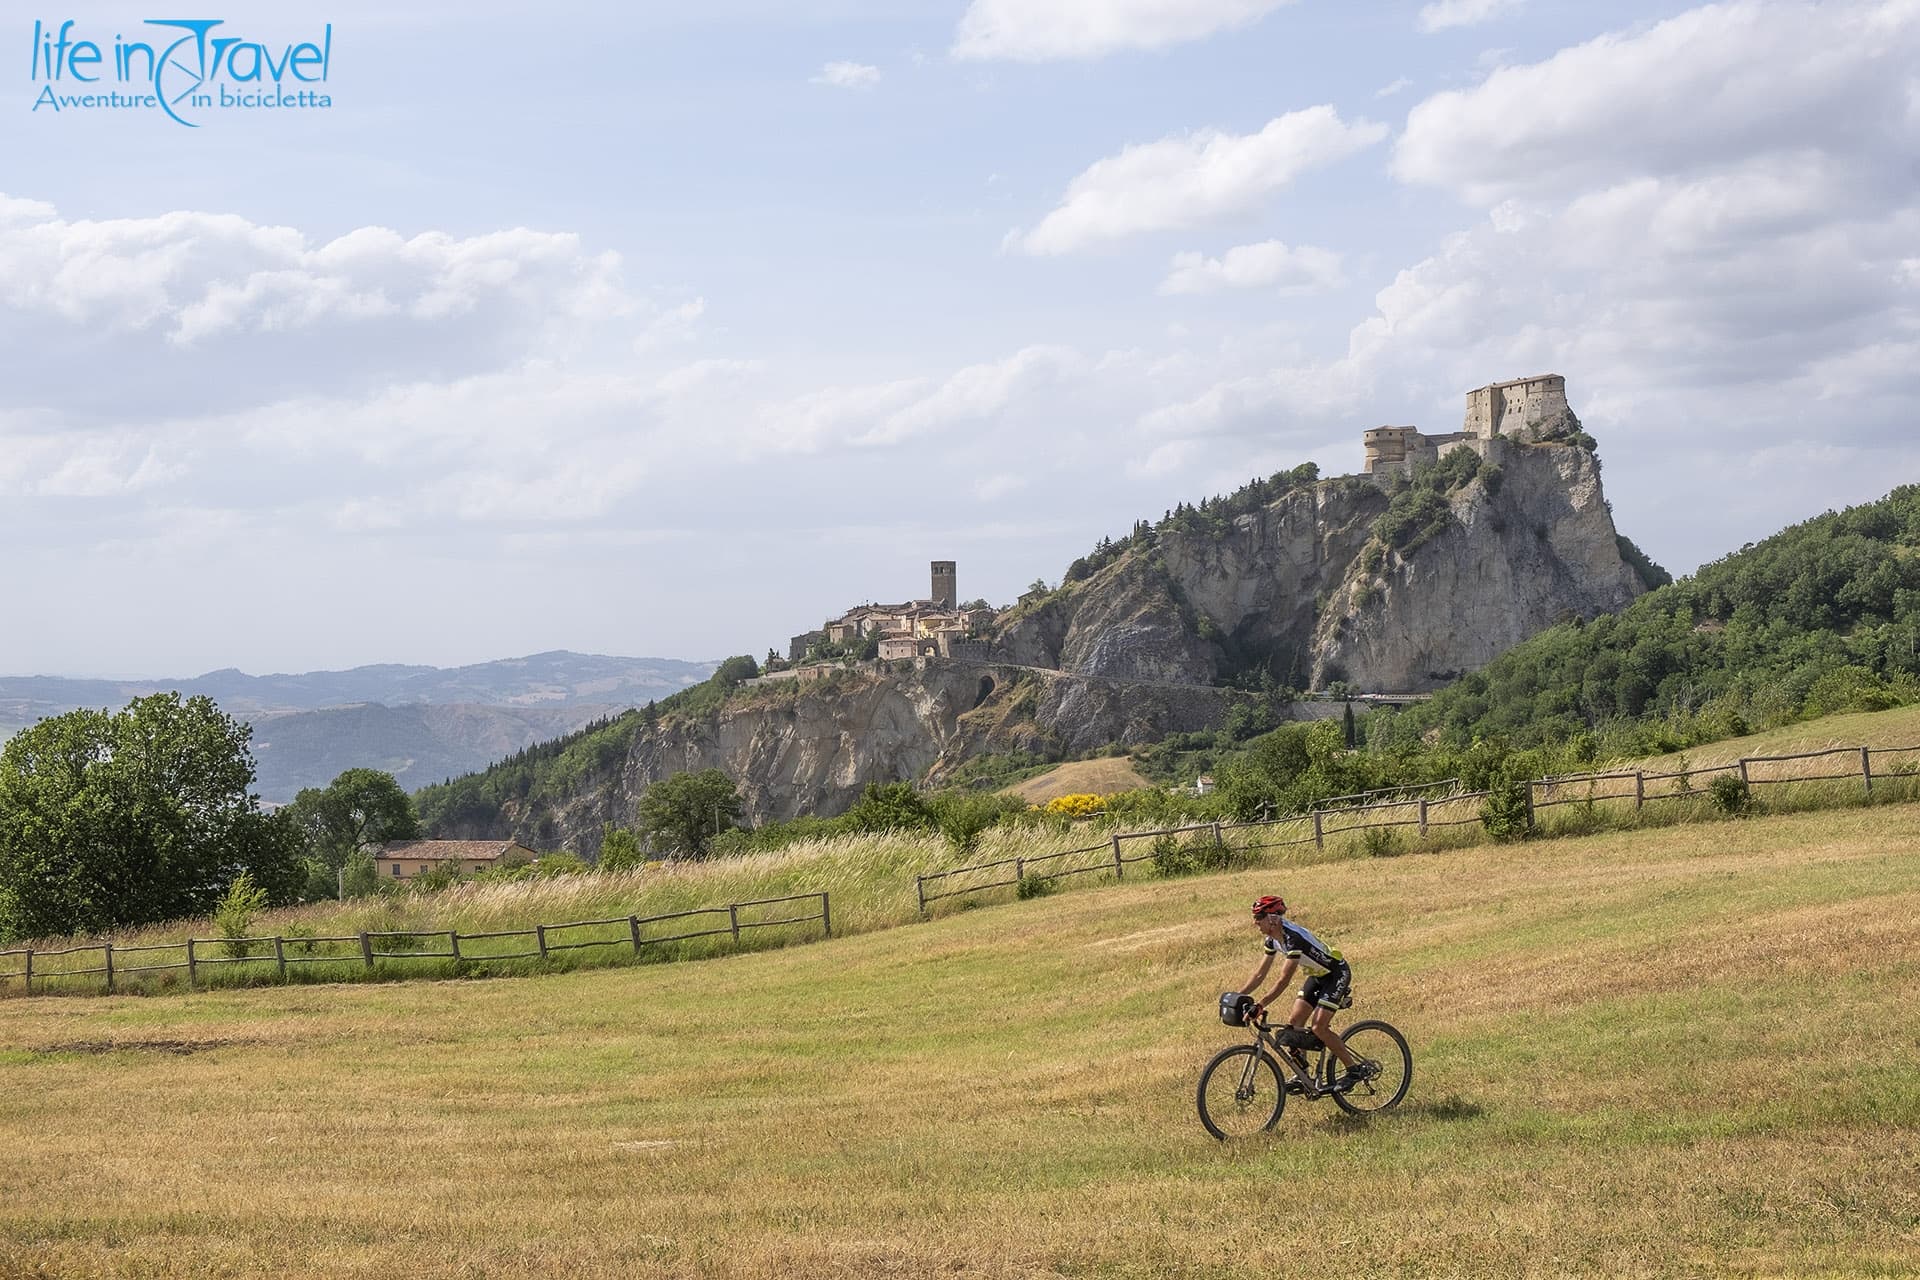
1306,590
797,748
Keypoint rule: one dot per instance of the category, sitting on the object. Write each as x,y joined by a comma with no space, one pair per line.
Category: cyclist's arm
1280,983
1253,983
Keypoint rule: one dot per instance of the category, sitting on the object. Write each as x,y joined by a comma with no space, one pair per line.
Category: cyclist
1329,987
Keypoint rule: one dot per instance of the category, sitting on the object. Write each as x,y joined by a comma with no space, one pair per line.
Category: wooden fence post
1639,789
1529,804
366,949
109,951
453,944
1423,817
1119,866
1319,833
540,939
1217,842
280,956
826,916
1866,769
1019,870
920,892
29,973
1743,770
633,927
193,966
733,919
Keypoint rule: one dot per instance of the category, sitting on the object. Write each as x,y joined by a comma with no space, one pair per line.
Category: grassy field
1679,1052
1100,777
1899,727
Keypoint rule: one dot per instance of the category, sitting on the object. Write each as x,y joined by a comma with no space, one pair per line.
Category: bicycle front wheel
1241,1093
1379,1044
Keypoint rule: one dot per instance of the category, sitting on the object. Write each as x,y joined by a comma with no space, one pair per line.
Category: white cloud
1270,264
1443,14
1047,30
1388,90
1186,181
847,75
1713,85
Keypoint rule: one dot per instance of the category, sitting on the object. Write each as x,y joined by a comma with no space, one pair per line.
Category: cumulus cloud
1711,86
847,75
1443,14
1048,30
1270,264
1193,179
203,310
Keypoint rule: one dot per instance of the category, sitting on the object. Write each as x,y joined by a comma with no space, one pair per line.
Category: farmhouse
404,859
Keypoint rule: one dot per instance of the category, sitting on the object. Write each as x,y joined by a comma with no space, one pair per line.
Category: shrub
236,912
1032,885
1504,812
1730,794
1077,806
1173,856
619,849
1382,842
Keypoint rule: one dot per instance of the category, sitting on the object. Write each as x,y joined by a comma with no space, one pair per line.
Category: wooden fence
195,955
1424,808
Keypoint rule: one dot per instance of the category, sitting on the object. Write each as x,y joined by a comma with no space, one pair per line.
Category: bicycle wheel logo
180,70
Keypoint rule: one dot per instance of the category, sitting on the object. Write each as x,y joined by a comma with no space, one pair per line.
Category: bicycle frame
1301,1076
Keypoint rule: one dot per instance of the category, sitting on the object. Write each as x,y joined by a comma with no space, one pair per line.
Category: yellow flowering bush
1077,806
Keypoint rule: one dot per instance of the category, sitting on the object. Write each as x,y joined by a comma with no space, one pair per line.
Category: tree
126,818
890,806
619,849
735,670
355,813
682,814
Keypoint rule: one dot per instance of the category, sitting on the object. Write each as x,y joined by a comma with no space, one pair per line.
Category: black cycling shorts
1330,990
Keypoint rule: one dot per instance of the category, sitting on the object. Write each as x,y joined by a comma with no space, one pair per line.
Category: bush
1083,805
619,849
1504,812
236,912
1382,842
1032,885
1730,795
1173,856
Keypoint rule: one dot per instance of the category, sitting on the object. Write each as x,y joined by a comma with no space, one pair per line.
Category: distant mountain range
421,724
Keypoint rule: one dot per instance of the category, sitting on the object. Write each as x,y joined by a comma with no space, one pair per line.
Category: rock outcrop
1302,589
813,748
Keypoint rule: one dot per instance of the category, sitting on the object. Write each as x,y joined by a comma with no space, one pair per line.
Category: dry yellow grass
1101,777
1680,1052
1899,727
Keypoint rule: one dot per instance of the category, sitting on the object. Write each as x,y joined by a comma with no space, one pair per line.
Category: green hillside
1822,617
1679,1052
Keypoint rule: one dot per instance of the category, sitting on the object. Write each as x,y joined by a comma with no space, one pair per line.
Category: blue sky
666,329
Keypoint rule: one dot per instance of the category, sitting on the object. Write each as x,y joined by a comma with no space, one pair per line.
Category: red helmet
1269,906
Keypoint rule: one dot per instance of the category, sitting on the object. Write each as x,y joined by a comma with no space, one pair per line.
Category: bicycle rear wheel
1241,1093
1378,1043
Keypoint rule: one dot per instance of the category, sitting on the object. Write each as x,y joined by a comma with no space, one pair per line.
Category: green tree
619,849
890,806
682,814
355,813
126,818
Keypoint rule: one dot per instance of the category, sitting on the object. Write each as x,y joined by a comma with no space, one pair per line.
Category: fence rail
278,951
1414,807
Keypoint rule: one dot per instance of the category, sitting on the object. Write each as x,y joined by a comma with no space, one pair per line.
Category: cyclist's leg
1328,997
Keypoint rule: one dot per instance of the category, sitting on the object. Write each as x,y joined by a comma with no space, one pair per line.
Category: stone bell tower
945,592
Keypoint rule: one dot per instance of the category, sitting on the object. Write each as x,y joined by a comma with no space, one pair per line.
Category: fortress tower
945,588
1513,408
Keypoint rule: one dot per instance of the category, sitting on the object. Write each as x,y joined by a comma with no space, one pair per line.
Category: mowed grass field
1100,777
1688,1051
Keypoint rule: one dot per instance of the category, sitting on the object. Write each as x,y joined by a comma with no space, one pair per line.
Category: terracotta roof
447,850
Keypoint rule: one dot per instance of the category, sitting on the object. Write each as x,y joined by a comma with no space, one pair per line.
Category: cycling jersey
1298,944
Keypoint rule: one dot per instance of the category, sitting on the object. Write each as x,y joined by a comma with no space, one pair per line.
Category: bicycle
1244,1087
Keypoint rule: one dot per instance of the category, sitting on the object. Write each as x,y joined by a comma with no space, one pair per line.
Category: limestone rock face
813,748
1286,589
1516,559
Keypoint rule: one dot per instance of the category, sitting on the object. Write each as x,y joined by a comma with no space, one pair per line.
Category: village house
404,859
935,627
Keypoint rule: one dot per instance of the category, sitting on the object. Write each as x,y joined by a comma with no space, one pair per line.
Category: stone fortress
1523,409
935,627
